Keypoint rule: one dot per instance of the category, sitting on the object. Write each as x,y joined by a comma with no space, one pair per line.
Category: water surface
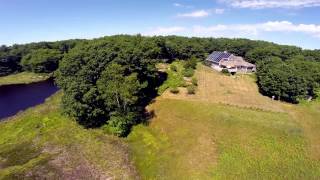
15,98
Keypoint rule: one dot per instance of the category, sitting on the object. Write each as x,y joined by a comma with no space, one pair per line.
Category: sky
291,22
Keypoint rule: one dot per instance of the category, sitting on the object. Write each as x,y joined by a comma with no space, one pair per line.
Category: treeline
109,81
40,57
44,56
291,80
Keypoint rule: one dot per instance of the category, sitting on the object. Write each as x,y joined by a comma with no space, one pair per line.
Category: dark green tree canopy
290,80
10,57
41,60
108,79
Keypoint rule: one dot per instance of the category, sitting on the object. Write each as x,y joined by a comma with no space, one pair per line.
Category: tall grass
43,143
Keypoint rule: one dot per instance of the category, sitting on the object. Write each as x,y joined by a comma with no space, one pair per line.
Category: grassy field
23,78
41,143
240,90
227,131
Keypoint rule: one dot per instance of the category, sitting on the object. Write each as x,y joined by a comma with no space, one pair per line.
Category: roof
217,56
237,61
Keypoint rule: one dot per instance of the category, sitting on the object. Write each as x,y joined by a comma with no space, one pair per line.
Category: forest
107,82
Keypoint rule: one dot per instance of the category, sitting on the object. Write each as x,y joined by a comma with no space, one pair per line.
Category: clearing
227,131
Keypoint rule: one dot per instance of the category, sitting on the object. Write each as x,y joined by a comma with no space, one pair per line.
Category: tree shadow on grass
149,96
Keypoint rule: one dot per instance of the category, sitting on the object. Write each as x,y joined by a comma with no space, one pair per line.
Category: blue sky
293,22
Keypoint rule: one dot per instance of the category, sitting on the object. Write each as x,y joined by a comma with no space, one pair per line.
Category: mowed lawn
227,131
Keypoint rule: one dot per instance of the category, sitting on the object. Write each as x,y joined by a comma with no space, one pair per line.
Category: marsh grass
43,143
23,78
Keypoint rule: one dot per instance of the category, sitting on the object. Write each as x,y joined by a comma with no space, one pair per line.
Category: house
234,64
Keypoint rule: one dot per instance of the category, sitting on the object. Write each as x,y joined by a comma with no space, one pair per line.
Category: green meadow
195,140
203,136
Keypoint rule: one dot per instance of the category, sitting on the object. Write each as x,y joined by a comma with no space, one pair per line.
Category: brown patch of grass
240,90
227,130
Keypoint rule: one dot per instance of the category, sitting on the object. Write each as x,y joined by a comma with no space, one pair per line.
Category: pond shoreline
24,78
16,98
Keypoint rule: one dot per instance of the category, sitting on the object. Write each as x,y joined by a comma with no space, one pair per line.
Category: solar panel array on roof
217,56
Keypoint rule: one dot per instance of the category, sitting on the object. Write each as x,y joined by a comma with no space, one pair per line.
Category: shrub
188,72
173,68
118,125
184,84
191,63
317,95
194,81
191,89
174,90
225,71
174,79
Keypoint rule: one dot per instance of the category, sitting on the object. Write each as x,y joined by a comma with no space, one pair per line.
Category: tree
108,81
41,60
310,71
262,53
119,91
281,79
8,65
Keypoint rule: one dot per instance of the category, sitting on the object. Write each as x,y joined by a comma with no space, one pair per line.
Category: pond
16,98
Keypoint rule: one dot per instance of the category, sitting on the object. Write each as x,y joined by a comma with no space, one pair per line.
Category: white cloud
253,31
261,4
166,30
182,5
195,14
256,29
201,13
219,11
177,5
